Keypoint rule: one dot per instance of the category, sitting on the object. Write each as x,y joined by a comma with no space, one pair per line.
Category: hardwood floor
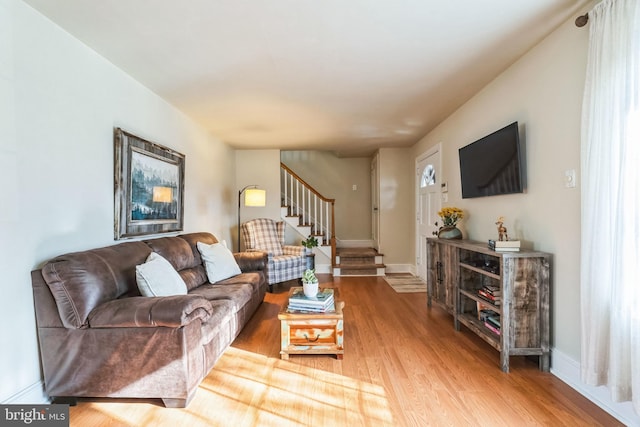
404,365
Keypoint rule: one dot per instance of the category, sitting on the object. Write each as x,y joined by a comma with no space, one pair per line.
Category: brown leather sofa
99,338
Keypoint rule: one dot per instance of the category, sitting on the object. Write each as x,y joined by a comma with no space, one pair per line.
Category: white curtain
610,266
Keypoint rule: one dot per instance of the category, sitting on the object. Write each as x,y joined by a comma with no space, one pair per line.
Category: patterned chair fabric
285,262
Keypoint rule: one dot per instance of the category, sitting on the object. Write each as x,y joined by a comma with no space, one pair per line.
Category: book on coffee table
323,301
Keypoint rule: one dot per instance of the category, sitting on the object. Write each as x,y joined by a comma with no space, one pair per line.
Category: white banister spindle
308,209
315,211
327,218
305,191
291,195
320,219
286,192
297,202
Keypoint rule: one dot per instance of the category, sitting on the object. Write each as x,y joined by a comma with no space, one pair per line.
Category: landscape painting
154,186
149,187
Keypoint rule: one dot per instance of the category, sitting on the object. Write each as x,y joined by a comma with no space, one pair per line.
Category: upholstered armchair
285,262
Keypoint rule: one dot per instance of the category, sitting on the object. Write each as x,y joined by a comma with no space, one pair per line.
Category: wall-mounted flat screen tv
493,165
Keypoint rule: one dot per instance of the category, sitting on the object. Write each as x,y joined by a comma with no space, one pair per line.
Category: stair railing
312,207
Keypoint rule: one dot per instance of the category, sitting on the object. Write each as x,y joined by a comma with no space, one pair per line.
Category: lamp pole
240,197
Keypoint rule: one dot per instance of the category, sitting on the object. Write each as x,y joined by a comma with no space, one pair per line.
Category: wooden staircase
306,229
359,262
312,214
308,211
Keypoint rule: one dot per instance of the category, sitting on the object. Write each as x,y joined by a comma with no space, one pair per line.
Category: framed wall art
149,187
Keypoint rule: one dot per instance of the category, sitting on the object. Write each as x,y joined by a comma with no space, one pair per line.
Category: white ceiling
343,75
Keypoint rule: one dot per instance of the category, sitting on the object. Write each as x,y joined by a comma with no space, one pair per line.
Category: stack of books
490,318
504,245
493,324
491,293
321,303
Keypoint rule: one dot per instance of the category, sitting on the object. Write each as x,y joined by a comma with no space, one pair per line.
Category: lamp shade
162,194
255,197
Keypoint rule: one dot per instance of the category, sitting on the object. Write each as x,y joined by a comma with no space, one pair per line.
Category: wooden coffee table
312,333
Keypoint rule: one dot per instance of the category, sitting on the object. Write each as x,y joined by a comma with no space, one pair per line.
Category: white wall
261,168
60,102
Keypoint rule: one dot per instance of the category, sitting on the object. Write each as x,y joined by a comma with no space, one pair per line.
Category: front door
428,204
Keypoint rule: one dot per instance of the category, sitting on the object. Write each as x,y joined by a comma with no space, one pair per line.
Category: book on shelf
493,290
507,249
482,293
504,245
484,314
494,321
492,328
482,307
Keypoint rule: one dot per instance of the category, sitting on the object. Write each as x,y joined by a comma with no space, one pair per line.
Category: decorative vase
310,289
449,232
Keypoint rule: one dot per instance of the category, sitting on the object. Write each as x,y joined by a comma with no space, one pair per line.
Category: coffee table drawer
314,335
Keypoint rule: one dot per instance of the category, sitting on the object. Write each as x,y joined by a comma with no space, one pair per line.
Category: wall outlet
354,187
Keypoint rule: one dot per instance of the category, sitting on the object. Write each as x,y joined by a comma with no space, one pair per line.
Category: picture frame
148,187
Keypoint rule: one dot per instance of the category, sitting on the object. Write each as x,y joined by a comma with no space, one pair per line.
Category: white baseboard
32,395
568,370
401,268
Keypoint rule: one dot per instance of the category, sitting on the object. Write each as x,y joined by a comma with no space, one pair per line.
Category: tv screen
492,165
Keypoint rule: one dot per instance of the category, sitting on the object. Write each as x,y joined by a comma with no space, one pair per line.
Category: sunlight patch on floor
248,389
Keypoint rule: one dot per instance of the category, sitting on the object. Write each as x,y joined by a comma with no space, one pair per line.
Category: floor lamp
253,196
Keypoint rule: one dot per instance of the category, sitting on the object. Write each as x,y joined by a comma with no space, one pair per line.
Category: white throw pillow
157,278
218,261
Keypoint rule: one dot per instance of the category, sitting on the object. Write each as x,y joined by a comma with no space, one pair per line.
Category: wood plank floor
404,365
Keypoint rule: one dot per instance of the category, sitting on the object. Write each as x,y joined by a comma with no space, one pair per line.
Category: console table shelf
459,269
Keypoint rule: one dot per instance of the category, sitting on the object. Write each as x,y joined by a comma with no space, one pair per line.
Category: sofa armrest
251,260
293,250
150,312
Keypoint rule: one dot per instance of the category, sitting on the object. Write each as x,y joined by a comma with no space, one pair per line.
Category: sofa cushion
193,238
157,278
195,275
252,278
218,261
171,312
238,294
81,281
175,250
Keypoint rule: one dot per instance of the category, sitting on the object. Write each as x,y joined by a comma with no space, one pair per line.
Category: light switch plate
570,178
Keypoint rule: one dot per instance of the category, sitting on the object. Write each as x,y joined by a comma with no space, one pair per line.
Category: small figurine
502,230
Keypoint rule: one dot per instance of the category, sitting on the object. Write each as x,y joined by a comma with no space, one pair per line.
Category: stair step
360,266
359,262
357,252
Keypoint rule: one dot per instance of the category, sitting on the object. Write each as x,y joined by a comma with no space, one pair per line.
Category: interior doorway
375,203
428,203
